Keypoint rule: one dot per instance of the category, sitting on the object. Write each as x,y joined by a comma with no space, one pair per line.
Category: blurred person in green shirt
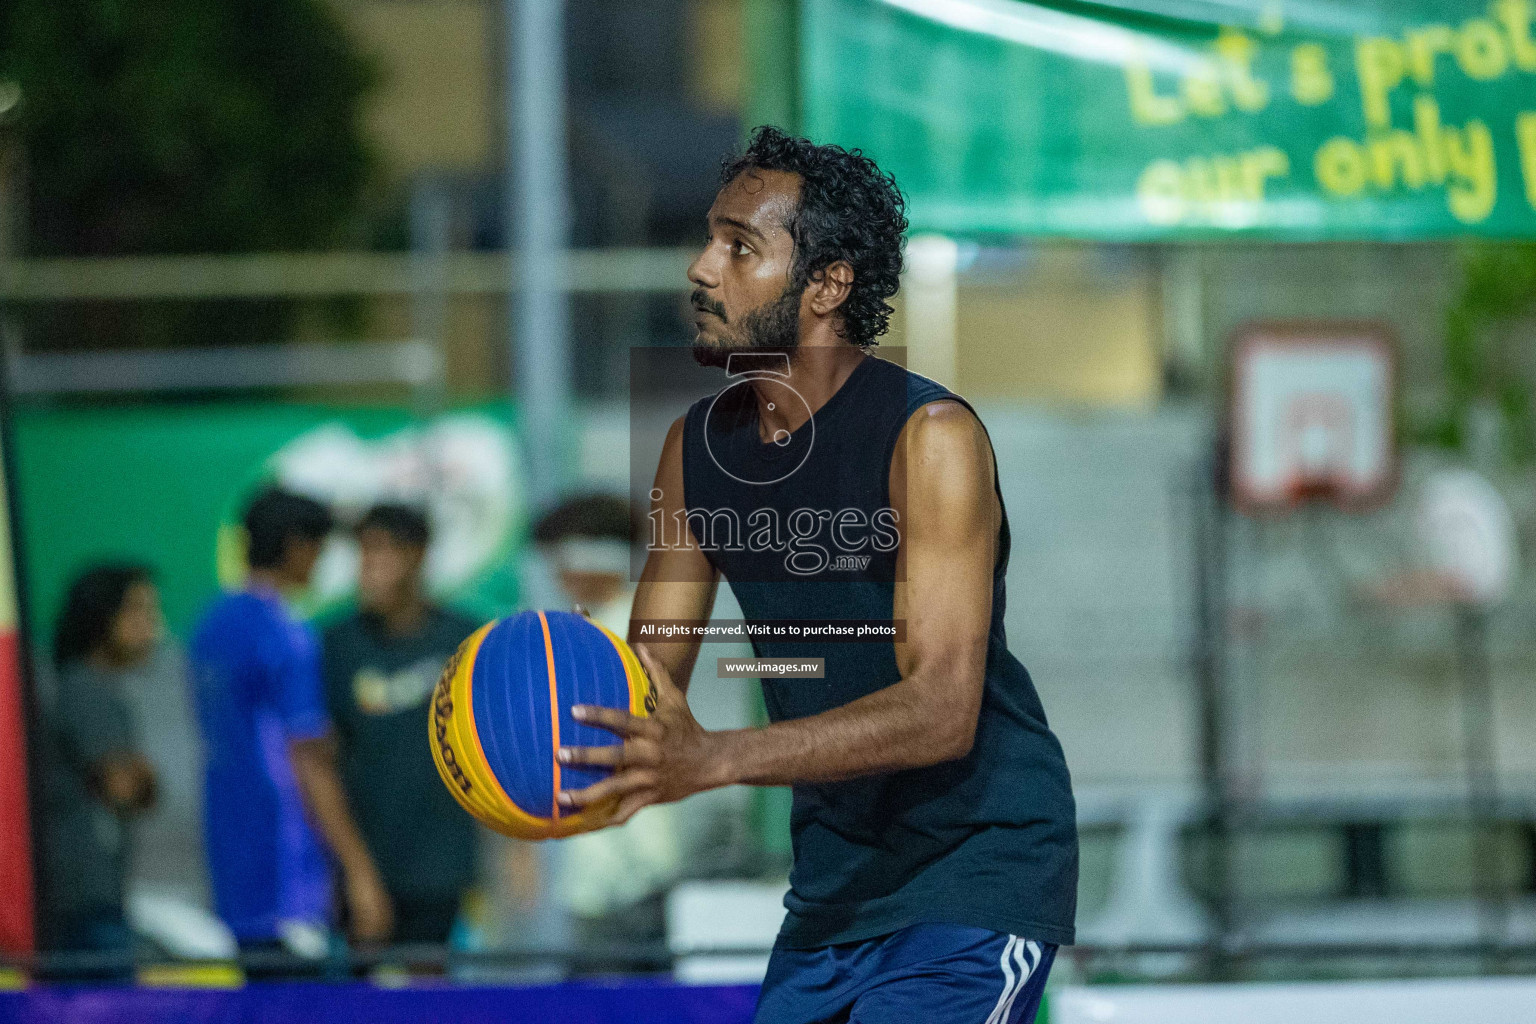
380,665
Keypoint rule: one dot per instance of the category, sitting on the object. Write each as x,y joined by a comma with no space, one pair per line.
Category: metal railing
298,275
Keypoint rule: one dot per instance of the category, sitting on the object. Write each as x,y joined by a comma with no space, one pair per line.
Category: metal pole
931,291
431,218
538,220
538,317
1480,753
1210,523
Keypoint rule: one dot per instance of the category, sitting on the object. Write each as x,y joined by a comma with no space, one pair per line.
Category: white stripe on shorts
1006,963
1009,978
1014,956
1027,955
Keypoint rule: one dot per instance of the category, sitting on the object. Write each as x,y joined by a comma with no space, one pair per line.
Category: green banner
165,484
1158,119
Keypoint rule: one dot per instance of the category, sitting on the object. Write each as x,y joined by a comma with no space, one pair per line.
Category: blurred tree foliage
183,126
1485,362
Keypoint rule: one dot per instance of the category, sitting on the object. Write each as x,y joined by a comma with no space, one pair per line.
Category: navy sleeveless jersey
804,529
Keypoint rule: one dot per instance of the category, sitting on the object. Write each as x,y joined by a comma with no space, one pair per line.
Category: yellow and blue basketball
503,708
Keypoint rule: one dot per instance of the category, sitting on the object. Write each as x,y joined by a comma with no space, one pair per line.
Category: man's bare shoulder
672,447
946,438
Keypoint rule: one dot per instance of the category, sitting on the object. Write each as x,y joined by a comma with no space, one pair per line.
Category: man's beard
772,327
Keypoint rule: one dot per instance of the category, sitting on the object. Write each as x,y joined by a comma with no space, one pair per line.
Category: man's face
744,296
388,571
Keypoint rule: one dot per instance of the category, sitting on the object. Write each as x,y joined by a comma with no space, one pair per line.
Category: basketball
503,708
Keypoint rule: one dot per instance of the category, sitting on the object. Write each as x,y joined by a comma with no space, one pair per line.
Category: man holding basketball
935,845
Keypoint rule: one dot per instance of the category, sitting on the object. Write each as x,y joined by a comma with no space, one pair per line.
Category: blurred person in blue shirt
381,664
270,779
95,777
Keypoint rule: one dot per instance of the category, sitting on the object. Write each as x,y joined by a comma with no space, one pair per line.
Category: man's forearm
888,731
327,804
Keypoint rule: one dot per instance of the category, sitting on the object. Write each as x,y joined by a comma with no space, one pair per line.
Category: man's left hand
663,757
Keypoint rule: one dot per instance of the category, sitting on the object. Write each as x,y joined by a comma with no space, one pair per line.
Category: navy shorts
932,973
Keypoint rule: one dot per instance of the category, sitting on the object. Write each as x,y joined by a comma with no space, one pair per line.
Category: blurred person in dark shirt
381,664
95,778
270,778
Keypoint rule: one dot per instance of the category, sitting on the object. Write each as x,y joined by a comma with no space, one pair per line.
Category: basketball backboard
1311,415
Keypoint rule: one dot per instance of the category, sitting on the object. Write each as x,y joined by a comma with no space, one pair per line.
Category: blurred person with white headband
611,880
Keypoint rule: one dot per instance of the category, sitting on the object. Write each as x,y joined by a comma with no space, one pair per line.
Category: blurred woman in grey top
95,778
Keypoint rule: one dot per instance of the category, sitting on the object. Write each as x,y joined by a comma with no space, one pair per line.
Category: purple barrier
617,1002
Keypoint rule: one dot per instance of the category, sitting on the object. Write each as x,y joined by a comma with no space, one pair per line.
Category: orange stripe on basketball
554,709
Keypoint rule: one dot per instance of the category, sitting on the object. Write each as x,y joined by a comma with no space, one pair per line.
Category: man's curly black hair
849,210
